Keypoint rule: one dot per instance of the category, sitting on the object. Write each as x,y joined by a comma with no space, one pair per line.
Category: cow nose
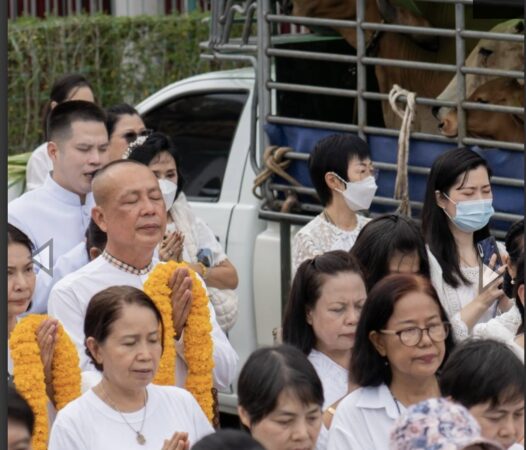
434,111
441,125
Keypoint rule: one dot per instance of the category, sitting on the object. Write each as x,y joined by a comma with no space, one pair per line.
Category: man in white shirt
130,209
58,212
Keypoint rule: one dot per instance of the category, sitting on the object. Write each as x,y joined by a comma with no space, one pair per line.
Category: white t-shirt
70,297
38,167
88,423
320,236
363,420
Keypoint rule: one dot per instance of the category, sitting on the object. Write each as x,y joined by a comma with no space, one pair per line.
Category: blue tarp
504,163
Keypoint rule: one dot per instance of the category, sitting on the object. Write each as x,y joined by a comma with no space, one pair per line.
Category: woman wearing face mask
280,398
401,342
72,86
341,171
455,216
188,237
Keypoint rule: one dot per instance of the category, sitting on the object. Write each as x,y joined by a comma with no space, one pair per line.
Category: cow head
488,124
375,11
410,16
491,54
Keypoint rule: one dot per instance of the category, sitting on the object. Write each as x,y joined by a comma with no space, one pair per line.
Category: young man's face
76,158
503,423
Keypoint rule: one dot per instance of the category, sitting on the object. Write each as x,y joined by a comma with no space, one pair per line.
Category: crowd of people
395,335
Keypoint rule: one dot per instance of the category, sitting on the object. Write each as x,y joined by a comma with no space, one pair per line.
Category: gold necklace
140,437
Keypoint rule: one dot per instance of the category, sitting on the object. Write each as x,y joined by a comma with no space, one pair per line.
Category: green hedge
125,58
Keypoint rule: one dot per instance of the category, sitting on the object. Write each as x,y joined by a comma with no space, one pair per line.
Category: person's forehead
356,161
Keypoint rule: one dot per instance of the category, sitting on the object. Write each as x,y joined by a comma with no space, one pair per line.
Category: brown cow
487,124
401,46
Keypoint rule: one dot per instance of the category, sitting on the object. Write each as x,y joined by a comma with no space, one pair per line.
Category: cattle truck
301,81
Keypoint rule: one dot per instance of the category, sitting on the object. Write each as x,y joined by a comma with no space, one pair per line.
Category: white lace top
320,236
454,299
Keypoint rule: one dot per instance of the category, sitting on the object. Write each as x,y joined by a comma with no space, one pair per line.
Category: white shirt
320,236
363,420
454,300
335,381
37,168
69,300
66,264
51,212
88,423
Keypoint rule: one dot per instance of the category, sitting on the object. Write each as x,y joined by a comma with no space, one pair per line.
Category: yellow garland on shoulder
198,345
28,372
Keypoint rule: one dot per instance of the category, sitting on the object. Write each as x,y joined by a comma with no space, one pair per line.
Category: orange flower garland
198,346
28,372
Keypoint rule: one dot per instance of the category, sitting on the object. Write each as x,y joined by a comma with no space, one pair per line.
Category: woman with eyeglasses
457,209
73,86
401,342
342,173
125,127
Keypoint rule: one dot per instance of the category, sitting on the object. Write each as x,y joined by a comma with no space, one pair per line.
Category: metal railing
264,17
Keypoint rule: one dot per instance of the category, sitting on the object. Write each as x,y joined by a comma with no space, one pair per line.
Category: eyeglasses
411,337
132,136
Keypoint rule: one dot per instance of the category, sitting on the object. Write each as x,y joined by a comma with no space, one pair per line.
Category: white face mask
168,189
358,194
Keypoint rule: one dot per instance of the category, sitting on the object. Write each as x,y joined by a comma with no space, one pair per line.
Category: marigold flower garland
28,372
198,346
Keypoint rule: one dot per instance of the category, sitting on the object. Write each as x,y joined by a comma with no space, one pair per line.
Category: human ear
52,150
377,341
97,214
308,317
440,199
243,416
333,182
94,349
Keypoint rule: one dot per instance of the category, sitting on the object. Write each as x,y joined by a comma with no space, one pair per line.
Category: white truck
295,90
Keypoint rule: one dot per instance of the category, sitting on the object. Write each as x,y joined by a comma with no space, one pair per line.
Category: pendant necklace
396,403
140,437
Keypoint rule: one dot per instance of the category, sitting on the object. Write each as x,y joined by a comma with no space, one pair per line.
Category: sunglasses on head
132,136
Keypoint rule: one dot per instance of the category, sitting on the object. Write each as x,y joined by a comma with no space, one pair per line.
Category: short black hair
105,308
445,171
378,241
115,112
514,240
480,371
15,236
368,367
306,290
268,372
64,114
333,154
95,237
63,88
153,146
228,439
18,409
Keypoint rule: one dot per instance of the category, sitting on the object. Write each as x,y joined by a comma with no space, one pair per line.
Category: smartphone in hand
491,260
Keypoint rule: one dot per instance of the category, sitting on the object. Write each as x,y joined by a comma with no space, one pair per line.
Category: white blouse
363,420
335,381
455,299
320,236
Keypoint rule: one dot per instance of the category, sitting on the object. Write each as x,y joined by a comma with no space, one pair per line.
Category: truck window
202,126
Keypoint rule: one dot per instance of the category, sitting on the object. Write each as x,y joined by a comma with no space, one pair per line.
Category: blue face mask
472,215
